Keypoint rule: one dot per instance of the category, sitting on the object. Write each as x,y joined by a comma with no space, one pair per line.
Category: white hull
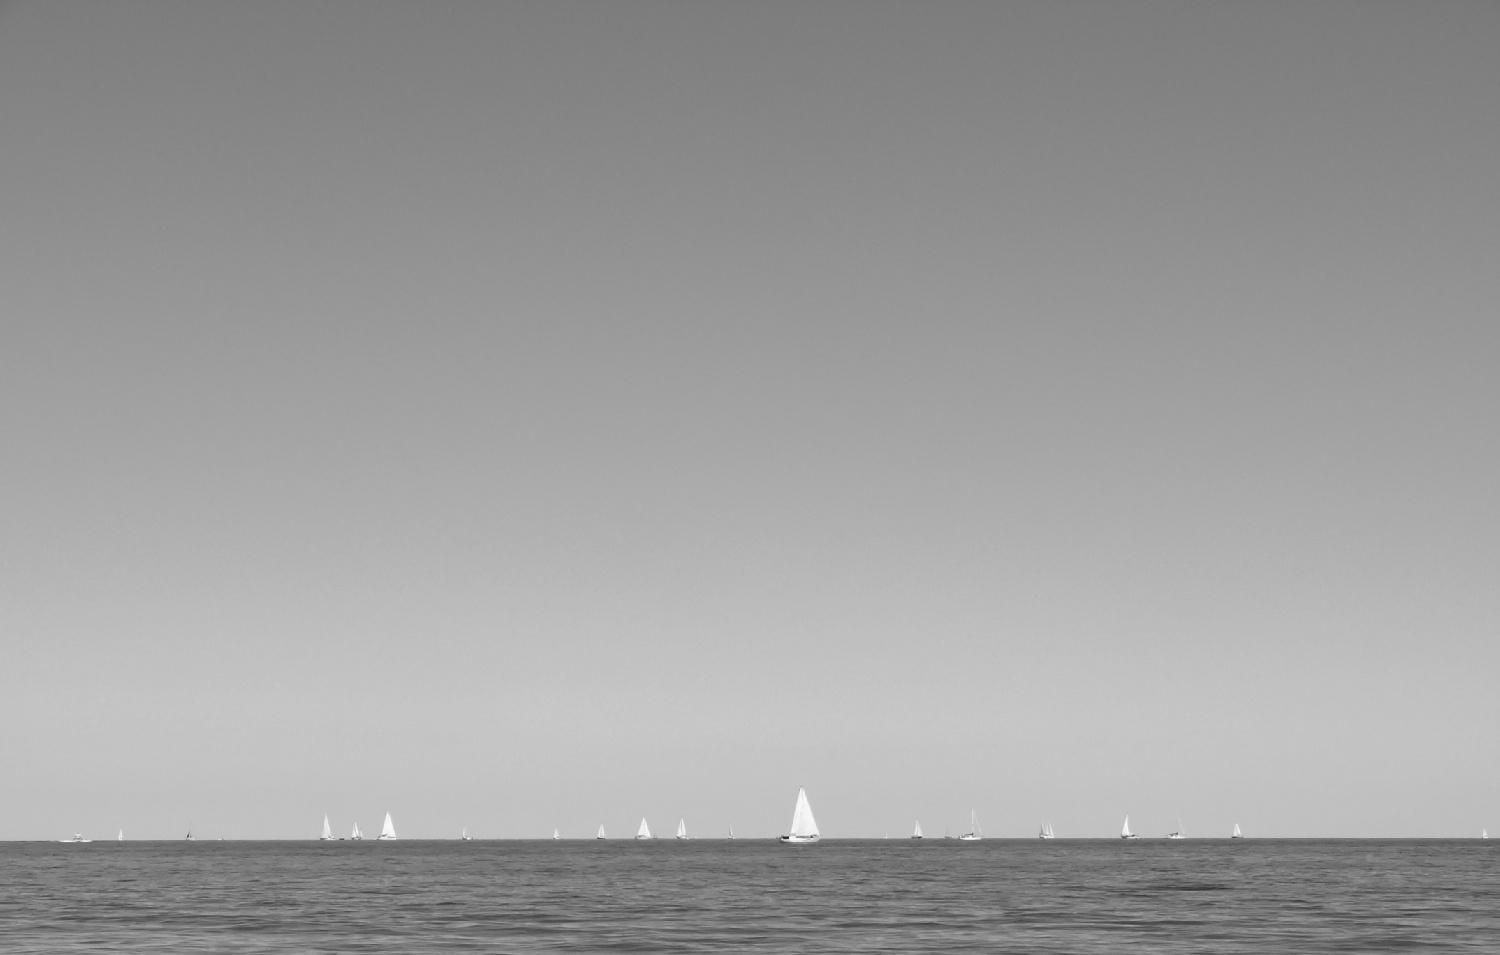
804,827
799,839
76,838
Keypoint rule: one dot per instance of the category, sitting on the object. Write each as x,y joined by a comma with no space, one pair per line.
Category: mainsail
601,831
327,832
1125,832
804,828
682,829
644,832
917,834
973,835
356,834
387,831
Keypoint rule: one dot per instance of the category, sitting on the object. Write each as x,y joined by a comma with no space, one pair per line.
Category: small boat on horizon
644,832
77,837
1236,833
973,835
356,835
917,831
804,828
387,831
190,837
1178,834
1125,832
465,836
327,834
556,835
601,831
682,829
1046,831
122,835
731,830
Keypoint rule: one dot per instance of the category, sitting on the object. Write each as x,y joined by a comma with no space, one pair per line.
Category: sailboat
644,832
1483,833
1236,833
122,835
190,837
973,835
387,831
601,831
804,829
356,835
464,837
1125,832
1046,832
1178,834
77,837
556,835
731,831
682,829
917,833
327,835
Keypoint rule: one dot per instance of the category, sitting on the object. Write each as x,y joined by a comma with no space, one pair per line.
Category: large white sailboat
601,831
644,832
1178,834
917,832
387,831
1046,832
804,828
682,829
1125,832
356,835
1236,833
973,835
327,834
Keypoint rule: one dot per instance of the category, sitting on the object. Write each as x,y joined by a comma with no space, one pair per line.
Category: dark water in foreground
752,896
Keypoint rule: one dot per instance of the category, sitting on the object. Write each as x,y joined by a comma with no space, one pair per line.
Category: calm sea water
752,896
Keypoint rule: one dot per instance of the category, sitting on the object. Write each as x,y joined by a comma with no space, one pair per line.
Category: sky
524,416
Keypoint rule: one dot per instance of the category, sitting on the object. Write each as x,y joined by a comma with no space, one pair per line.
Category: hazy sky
544,414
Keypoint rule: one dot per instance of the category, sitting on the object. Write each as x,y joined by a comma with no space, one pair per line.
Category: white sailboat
327,835
1046,832
1125,832
464,837
556,835
973,835
356,835
122,835
731,831
682,829
804,828
77,837
387,831
190,837
917,832
1483,833
1236,833
1178,834
644,832
601,831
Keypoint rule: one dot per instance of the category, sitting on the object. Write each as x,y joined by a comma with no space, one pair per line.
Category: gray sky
533,415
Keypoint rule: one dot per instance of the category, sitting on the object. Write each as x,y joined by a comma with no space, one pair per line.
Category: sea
896,895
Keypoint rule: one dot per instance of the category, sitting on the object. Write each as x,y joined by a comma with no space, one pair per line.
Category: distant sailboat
1179,834
77,837
804,829
682,829
1483,833
1125,832
464,837
731,831
644,832
356,835
387,831
327,835
190,837
122,835
1046,832
917,832
601,831
973,835
556,835
1236,833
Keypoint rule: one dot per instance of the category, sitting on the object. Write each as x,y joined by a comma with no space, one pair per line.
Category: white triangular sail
556,834
1236,833
644,832
731,831
122,835
465,835
601,831
327,833
804,827
917,832
1125,832
387,831
356,834
682,829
